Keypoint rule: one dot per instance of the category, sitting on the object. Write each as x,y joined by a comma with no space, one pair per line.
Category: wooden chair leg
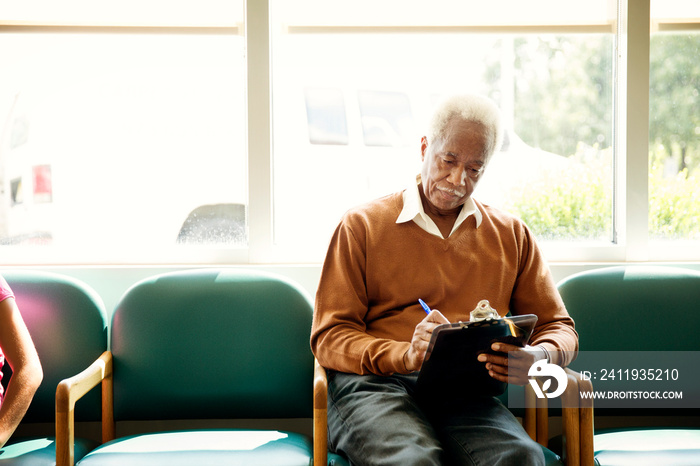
320,415
586,426
536,421
530,419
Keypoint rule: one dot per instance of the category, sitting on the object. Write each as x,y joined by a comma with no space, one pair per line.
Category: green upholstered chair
207,345
639,308
68,325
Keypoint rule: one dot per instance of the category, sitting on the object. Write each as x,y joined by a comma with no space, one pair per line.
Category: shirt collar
413,210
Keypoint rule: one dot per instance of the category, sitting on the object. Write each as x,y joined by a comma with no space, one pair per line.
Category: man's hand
513,367
421,337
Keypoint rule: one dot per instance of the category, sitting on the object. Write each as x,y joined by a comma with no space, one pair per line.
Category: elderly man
432,241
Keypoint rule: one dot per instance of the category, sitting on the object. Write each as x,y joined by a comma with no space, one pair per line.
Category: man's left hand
512,363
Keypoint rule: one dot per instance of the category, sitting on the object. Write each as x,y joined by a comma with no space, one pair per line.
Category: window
115,134
325,116
674,123
556,172
240,131
553,84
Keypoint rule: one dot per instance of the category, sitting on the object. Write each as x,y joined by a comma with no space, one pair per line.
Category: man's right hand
421,337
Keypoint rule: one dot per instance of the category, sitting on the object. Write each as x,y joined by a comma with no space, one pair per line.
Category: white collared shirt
413,210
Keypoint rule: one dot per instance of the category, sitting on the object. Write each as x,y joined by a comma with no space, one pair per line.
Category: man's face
453,165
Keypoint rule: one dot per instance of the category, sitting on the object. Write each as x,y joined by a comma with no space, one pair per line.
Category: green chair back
212,344
635,308
68,324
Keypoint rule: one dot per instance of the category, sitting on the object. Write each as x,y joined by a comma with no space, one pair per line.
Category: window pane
674,126
386,118
555,170
110,141
325,116
554,87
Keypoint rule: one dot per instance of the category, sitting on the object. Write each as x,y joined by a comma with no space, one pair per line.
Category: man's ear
423,147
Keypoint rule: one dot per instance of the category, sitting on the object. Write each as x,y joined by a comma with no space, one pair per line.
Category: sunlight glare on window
114,139
547,64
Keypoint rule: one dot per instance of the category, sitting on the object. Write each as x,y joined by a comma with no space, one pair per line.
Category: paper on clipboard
451,369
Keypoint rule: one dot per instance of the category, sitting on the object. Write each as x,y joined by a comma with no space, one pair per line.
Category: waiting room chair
68,324
204,345
576,415
639,308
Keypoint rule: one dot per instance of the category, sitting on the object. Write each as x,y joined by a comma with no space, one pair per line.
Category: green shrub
572,204
576,203
674,204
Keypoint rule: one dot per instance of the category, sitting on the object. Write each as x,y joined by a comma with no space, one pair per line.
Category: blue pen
425,306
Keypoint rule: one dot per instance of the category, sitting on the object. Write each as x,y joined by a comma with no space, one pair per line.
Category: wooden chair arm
320,415
68,392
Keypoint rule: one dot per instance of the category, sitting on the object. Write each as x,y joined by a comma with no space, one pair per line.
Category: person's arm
554,337
21,355
339,337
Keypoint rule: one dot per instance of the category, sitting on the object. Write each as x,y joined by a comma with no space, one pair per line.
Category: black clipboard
451,369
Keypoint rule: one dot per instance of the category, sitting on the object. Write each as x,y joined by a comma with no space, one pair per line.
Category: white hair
473,108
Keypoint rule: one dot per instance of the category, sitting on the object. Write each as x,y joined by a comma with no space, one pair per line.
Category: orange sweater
366,306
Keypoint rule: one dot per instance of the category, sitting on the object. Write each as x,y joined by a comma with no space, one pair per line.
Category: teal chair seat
337,460
205,447
68,324
638,447
31,451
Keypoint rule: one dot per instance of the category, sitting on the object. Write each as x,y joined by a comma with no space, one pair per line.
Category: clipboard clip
483,311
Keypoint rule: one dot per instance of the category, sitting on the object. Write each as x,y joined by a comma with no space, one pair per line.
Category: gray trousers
375,420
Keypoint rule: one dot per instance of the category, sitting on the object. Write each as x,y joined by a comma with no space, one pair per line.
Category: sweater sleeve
536,293
5,291
339,337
